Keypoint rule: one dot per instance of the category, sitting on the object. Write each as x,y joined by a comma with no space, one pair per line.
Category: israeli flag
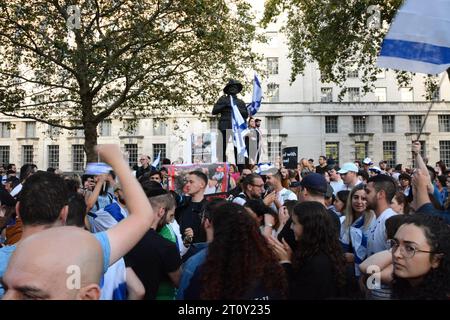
419,38
239,130
156,162
257,97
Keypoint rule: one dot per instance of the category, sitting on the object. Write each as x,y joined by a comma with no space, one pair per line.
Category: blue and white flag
240,130
419,38
253,107
156,162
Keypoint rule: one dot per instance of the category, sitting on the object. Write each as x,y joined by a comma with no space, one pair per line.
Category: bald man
69,268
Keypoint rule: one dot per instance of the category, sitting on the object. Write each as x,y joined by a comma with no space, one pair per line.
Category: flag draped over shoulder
256,98
419,38
239,130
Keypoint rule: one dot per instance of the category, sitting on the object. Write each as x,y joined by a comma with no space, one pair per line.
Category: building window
390,152
361,150
353,95
331,124
27,154
53,156
79,133
77,157
159,127
30,129
105,128
272,65
359,124
423,149
273,123
444,148
444,123
4,155
5,131
388,124
131,127
436,95
406,94
213,124
132,151
157,147
326,95
353,73
273,92
415,123
332,150
274,150
53,131
380,94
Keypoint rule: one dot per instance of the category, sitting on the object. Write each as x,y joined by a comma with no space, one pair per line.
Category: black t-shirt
321,170
313,280
288,235
189,216
335,220
152,259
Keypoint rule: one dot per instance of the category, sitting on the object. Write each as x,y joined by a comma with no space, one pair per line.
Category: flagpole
426,117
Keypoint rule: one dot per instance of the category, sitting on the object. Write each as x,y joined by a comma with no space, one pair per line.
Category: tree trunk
90,141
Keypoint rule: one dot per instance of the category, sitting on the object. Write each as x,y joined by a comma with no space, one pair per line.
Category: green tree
338,35
73,66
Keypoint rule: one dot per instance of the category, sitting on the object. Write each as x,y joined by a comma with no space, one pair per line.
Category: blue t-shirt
6,253
428,208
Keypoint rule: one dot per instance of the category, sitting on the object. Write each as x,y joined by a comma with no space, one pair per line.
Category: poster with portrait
201,146
217,174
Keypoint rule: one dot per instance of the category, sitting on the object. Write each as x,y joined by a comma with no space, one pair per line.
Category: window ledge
34,138
416,133
353,134
131,136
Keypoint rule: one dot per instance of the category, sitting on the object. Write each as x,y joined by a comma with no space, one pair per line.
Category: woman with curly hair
421,258
239,265
318,266
418,264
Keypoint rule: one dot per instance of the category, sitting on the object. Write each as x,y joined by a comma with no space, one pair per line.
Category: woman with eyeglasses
420,259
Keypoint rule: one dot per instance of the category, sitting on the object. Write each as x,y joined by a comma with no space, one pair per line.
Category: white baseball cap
349,166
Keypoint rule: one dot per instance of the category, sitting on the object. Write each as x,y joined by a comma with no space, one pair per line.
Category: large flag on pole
256,98
157,160
240,130
419,38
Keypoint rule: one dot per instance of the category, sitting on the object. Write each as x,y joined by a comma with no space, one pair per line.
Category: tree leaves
136,57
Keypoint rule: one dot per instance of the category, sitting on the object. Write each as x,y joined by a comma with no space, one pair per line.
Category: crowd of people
355,231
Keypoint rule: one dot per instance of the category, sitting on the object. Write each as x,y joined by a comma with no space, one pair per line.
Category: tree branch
42,120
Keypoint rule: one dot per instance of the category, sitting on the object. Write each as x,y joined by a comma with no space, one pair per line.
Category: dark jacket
223,106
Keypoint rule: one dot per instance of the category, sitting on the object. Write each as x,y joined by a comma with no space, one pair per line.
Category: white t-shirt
376,240
284,195
14,192
337,186
346,187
